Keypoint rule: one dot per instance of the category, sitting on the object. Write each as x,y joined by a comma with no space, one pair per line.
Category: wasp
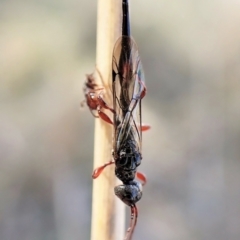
128,89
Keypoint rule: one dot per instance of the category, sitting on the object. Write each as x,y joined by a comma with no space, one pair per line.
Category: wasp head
129,193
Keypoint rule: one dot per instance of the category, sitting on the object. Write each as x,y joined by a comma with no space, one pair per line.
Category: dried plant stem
107,214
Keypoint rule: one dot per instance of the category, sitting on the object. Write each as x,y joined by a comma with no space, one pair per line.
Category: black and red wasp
94,98
128,90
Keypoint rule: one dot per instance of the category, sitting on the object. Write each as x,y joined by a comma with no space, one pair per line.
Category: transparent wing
127,86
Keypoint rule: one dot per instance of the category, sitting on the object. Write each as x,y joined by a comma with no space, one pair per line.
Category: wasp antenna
125,19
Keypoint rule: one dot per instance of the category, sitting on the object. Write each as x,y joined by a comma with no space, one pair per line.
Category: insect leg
103,116
143,127
142,177
143,92
143,89
103,103
99,170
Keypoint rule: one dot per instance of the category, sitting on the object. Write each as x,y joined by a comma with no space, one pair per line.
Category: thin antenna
125,19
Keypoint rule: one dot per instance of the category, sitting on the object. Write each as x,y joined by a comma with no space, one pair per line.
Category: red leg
104,116
133,223
144,91
142,177
145,127
103,103
99,170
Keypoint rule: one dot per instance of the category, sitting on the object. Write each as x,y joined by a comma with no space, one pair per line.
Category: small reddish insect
94,98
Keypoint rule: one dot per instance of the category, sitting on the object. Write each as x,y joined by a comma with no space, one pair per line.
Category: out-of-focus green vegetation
191,56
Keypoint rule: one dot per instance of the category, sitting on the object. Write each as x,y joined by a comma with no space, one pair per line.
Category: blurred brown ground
191,56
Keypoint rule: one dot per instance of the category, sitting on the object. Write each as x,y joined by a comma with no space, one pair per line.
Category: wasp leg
142,177
143,89
99,170
143,93
145,127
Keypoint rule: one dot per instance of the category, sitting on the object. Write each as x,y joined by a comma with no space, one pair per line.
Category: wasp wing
127,77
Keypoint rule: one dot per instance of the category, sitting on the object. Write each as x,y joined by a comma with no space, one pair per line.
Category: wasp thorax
126,161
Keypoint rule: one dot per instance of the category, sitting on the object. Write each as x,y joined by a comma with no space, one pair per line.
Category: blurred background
191,56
